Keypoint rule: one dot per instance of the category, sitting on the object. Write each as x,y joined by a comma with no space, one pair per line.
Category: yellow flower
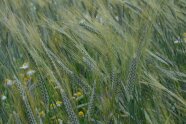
26,78
52,106
58,103
78,94
81,114
42,114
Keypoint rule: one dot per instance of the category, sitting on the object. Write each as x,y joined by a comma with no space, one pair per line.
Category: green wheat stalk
91,102
72,116
30,115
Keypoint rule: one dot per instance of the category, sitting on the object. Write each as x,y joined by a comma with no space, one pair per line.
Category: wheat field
93,61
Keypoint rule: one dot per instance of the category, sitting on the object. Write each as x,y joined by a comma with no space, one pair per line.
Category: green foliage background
120,55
